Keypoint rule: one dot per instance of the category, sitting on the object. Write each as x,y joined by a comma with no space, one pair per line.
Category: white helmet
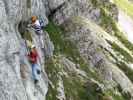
33,46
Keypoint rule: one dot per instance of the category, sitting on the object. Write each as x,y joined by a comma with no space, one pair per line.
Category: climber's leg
38,69
35,72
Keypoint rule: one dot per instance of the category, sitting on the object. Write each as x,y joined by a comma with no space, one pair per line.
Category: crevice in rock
28,3
52,12
6,6
28,6
22,28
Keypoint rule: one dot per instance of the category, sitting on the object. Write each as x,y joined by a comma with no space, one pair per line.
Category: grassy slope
61,45
74,87
121,63
126,6
106,21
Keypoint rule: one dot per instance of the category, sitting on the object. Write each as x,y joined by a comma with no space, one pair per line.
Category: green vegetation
114,95
95,3
128,71
127,58
51,95
106,20
108,23
62,45
75,88
52,70
67,48
126,95
125,54
124,40
126,6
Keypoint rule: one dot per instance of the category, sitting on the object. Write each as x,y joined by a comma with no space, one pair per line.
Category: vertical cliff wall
13,86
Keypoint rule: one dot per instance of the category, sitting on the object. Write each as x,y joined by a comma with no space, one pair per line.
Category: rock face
74,8
85,23
89,56
13,87
90,47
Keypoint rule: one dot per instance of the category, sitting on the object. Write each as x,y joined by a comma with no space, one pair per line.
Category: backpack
42,22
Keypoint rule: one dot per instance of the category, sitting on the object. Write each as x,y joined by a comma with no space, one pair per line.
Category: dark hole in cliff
22,28
53,11
28,3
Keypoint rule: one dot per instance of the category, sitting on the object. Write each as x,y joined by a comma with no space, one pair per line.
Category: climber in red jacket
34,57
